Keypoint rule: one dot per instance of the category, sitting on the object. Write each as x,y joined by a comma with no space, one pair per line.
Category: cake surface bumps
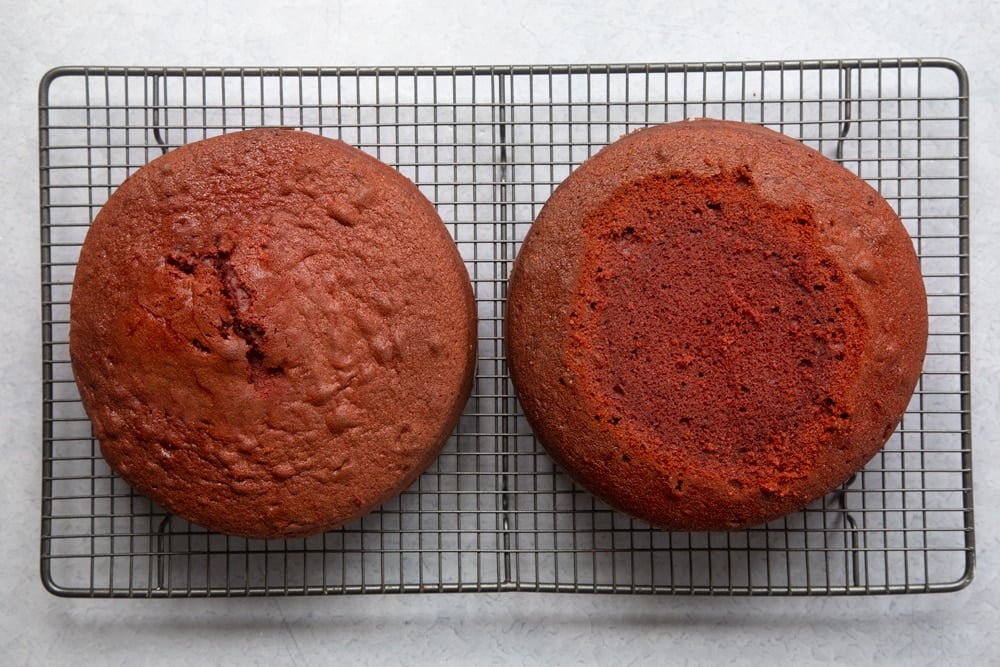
711,325
272,332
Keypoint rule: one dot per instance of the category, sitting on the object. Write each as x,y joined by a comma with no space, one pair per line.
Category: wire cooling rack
488,145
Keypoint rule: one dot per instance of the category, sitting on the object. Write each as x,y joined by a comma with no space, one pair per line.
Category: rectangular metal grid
488,145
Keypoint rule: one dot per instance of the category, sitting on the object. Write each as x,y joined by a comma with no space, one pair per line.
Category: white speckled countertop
37,628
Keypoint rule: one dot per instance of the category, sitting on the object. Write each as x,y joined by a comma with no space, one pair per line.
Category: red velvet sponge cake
272,332
710,325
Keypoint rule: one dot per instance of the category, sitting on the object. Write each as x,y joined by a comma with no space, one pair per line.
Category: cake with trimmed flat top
711,325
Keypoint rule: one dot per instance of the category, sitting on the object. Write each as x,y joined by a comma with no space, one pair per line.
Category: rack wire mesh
488,145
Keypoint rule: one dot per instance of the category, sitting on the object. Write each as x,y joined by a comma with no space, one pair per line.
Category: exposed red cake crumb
710,325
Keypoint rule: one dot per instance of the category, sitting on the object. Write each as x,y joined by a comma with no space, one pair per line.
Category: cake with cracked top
711,325
272,332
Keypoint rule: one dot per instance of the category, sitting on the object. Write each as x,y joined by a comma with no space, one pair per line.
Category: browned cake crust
272,332
710,325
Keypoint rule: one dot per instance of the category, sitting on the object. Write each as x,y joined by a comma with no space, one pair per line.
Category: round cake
272,332
711,325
